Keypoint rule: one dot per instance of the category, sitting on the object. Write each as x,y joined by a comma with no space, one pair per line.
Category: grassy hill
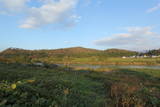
77,55
68,51
64,55
120,52
63,51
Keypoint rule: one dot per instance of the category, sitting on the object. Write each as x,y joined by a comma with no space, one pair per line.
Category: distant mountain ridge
78,51
68,55
72,50
67,49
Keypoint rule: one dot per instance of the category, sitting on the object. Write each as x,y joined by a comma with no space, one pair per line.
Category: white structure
124,57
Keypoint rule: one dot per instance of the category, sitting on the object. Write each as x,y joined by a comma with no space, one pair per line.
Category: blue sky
100,24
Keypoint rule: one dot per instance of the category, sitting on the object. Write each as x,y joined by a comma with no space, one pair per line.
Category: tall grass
27,86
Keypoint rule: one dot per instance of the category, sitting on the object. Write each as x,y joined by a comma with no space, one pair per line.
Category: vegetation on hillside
78,55
74,55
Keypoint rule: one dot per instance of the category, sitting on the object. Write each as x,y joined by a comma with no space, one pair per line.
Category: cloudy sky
100,24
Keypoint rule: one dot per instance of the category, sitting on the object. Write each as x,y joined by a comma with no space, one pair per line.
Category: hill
74,51
75,54
120,52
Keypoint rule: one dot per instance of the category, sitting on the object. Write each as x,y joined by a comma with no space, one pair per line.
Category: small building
124,57
145,56
132,56
154,56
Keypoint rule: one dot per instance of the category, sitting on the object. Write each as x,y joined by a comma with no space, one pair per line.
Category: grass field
107,61
27,86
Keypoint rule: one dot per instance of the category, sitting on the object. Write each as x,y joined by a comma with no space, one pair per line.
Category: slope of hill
14,51
76,54
75,50
68,51
56,51
120,52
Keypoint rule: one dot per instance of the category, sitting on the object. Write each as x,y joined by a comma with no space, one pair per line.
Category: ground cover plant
28,86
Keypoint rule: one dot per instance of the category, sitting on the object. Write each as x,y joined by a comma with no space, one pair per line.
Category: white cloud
136,38
50,12
12,5
155,8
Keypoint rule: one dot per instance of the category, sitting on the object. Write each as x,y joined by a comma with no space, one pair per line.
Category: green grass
103,60
61,87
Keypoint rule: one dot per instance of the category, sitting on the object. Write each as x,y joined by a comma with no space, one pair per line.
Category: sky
99,24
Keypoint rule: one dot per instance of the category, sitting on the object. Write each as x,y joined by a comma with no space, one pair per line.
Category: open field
109,61
28,86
